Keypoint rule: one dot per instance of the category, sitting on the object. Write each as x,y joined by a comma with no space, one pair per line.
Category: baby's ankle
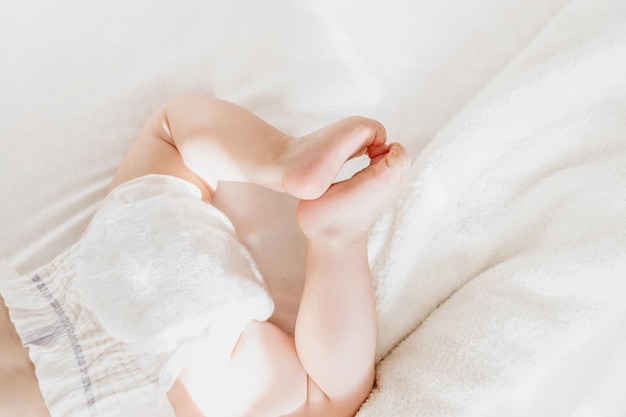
337,240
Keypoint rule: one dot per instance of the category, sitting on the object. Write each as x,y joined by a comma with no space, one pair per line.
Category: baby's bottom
19,389
182,403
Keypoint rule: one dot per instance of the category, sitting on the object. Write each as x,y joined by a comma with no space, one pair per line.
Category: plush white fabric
514,233
83,77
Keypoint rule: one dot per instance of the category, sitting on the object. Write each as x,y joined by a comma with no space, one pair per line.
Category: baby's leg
336,325
328,368
205,140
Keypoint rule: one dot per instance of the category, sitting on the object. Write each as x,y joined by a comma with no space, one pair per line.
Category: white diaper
109,322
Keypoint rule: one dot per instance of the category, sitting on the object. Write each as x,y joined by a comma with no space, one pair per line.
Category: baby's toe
399,158
393,166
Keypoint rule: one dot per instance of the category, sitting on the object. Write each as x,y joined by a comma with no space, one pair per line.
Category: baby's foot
349,208
312,162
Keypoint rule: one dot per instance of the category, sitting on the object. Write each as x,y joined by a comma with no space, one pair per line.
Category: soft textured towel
513,228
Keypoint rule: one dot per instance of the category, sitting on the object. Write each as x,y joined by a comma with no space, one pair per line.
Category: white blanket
512,253
504,253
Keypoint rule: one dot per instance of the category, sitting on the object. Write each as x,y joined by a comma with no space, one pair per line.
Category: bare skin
327,367
19,392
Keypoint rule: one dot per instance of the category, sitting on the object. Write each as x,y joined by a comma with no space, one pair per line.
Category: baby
327,367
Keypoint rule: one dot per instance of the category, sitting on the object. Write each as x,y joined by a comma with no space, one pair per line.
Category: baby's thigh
264,377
